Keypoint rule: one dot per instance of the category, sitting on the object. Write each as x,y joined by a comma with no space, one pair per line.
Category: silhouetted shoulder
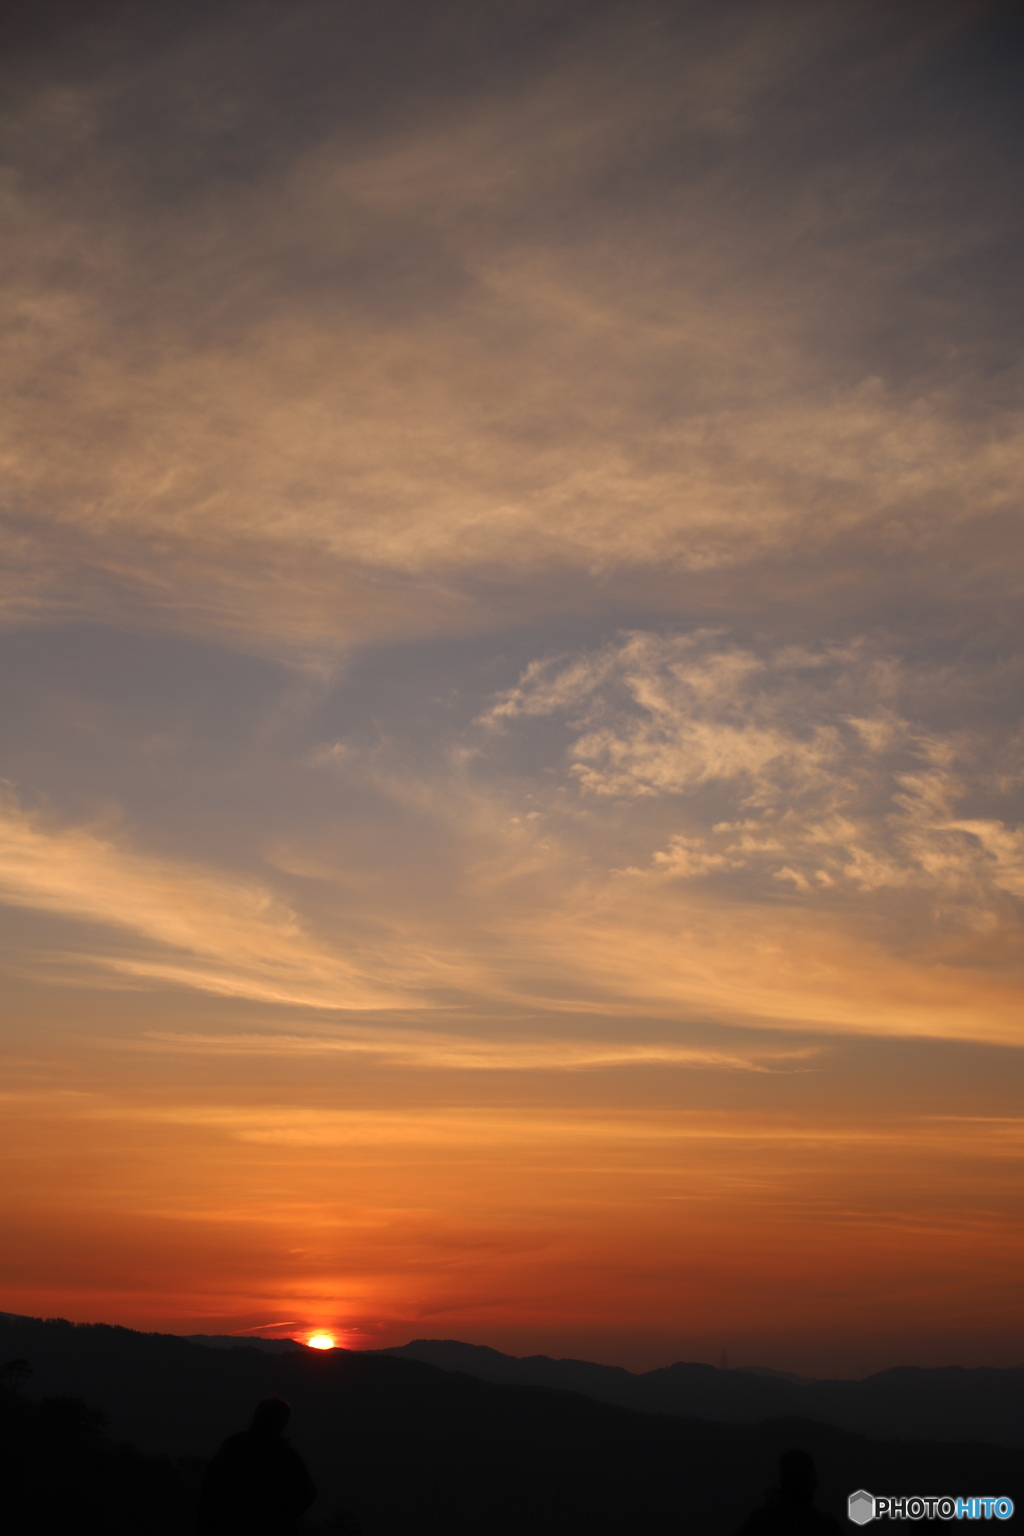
790,1508
257,1483
779,1520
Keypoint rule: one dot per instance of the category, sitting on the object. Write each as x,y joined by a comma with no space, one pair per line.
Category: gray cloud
656,296
829,769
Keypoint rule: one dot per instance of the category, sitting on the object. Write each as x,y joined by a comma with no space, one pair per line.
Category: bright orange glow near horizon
511,815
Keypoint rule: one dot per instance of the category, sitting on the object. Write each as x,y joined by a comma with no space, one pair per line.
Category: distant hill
407,1447
229,1341
947,1403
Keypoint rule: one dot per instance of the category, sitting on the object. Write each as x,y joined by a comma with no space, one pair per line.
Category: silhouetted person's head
797,1478
271,1416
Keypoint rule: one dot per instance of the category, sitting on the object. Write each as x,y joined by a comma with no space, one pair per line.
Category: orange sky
510,791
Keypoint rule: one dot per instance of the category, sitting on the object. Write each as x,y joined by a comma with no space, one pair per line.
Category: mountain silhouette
230,1341
401,1445
910,1402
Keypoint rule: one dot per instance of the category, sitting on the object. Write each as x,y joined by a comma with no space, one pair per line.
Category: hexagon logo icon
861,1507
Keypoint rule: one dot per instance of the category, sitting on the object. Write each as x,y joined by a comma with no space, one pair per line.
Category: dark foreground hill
409,1448
60,1474
907,1403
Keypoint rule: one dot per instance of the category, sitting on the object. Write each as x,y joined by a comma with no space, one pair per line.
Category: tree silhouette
15,1373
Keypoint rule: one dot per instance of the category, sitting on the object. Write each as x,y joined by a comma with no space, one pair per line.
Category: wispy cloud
341,445
795,765
439,1052
779,1133
212,933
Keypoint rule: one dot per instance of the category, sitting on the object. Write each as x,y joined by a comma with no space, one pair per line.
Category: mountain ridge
404,1445
912,1402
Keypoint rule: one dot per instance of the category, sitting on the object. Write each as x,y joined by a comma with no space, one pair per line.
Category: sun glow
320,1341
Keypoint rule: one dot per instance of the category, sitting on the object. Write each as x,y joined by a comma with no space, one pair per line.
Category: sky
511,665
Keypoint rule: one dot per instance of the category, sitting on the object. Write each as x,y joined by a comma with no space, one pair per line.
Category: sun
321,1341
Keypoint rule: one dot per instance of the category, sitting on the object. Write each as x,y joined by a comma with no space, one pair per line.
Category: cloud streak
430,1050
214,933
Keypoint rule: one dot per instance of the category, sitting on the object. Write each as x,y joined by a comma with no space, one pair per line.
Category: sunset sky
511,674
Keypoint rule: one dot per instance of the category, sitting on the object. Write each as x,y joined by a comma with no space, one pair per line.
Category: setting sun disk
320,1341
